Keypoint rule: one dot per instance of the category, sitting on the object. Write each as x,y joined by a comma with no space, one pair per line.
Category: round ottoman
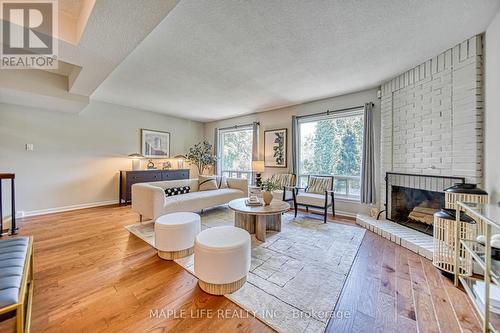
222,259
175,234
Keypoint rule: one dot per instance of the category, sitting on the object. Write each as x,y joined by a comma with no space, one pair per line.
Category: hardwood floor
91,275
392,289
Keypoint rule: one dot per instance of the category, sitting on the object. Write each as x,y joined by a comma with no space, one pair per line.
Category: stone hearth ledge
413,240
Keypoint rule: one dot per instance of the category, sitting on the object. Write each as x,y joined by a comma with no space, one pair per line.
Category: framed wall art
275,148
155,144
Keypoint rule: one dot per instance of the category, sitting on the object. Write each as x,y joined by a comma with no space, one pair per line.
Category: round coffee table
257,219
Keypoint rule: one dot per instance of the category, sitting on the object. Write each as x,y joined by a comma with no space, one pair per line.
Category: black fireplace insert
412,199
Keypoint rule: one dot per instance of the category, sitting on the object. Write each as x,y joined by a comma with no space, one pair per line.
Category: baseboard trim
64,208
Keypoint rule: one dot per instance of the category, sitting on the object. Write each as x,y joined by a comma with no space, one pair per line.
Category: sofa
150,202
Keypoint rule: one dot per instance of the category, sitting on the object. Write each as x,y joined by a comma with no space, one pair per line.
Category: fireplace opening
415,208
412,200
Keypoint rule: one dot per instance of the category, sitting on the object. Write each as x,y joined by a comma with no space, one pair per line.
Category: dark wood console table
128,178
11,176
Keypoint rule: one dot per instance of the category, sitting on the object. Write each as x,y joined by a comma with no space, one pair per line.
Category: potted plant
267,187
201,155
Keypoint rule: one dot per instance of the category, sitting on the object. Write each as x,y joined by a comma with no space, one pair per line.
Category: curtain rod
329,112
238,126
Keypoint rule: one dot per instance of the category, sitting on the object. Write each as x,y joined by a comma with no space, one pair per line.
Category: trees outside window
333,145
236,152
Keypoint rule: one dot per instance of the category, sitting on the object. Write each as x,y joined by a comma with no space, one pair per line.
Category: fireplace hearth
412,200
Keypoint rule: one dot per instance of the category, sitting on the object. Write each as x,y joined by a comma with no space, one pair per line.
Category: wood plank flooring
91,275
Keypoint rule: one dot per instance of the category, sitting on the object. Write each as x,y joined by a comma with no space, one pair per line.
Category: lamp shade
258,166
135,156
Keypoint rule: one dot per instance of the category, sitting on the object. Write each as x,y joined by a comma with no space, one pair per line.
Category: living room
256,166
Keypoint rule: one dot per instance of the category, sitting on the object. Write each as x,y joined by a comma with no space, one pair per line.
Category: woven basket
444,245
451,198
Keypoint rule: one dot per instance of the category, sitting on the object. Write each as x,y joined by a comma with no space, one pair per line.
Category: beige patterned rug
296,276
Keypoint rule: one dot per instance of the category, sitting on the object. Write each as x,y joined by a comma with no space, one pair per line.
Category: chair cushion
319,184
312,199
207,183
278,195
12,259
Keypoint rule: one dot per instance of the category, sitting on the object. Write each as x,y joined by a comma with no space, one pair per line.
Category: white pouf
222,258
175,234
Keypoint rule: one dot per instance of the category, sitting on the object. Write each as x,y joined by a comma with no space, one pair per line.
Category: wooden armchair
317,194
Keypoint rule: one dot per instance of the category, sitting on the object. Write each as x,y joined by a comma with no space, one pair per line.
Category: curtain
255,143
217,168
368,167
294,146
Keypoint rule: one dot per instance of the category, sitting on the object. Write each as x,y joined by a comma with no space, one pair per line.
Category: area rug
296,276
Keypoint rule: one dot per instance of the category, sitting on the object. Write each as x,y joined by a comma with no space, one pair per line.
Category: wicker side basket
444,245
451,198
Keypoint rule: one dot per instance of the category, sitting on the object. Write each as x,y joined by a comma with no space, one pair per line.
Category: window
332,145
235,152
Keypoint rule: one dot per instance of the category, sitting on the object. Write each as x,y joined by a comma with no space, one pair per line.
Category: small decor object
151,165
167,165
202,156
374,212
136,161
258,168
253,201
155,144
495,245
275,148
267,187
177,190
444,241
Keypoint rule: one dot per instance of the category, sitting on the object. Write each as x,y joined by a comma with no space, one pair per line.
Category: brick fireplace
431,124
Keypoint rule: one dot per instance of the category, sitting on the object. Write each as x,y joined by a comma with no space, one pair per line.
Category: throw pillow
222,182
319,185
207,183
282,179
177,190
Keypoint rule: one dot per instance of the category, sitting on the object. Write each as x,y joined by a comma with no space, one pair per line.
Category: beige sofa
149,199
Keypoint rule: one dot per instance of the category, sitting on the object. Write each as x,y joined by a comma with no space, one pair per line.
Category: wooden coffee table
257,219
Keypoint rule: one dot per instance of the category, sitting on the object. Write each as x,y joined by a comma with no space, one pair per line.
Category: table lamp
258,168
136,161
180,161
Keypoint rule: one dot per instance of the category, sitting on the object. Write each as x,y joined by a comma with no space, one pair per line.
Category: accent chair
317,194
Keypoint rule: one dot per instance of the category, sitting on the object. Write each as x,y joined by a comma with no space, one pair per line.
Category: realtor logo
28,30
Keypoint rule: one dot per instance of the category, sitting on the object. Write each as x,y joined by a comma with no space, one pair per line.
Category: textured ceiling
215,59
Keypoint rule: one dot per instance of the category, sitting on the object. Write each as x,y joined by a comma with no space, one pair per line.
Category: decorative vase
267,197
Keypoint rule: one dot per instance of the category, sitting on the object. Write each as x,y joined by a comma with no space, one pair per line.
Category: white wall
77,158
492,110
282,118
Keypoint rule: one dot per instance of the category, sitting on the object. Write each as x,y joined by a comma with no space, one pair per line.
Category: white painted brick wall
432,116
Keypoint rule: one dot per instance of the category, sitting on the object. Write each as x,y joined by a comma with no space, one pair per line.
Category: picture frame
155,144
275,148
